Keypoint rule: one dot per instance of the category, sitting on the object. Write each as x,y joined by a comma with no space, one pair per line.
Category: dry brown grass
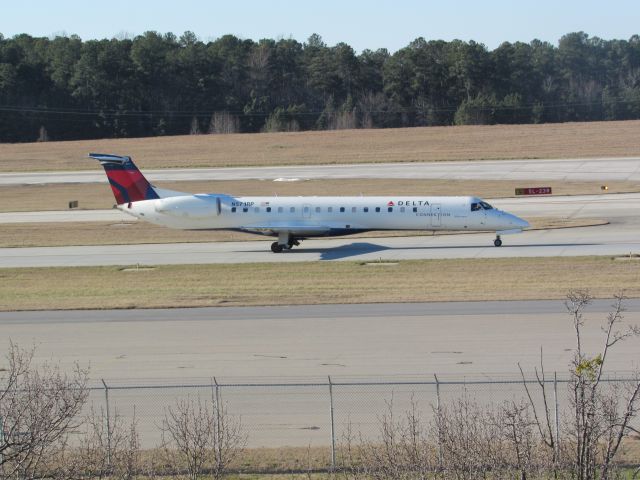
27,198
130,233
284,459
317,458
300,459
595,139
313,283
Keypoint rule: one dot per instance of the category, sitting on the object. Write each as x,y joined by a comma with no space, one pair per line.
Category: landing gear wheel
276,247
497,242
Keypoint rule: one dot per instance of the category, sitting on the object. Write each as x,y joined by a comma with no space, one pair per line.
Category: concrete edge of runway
312,311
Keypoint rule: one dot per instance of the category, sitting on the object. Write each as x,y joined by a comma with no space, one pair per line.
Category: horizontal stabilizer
107,158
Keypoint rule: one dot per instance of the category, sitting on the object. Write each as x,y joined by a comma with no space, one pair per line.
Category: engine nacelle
191,206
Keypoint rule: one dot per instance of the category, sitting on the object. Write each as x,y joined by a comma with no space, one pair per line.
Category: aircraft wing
298,230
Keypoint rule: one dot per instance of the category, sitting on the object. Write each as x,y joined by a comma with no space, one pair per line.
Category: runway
275,361
592,169
599,240
65,216
375,340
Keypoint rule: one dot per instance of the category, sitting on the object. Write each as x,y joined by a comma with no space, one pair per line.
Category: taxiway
590,169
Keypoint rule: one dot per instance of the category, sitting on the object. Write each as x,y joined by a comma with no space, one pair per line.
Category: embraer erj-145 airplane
293,219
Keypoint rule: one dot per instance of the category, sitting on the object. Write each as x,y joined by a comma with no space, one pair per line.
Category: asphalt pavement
591,169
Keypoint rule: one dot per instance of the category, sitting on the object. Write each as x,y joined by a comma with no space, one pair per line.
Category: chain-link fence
319,412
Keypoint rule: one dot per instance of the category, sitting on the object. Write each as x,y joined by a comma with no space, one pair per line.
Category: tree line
160,84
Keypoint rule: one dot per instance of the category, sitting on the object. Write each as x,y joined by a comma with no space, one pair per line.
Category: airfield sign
534,191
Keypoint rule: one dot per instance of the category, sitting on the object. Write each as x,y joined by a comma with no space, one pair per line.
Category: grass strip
313,283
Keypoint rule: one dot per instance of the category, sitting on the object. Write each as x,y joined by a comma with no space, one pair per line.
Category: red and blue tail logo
127,182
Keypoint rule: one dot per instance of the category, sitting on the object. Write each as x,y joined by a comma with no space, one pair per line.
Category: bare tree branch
39,408
197,432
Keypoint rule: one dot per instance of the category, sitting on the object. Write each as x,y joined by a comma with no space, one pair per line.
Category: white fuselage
323,216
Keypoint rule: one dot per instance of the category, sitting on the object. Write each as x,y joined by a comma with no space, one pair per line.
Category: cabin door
435,215
306,211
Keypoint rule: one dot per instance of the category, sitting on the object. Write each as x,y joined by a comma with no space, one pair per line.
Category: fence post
216,410
1,438
106,400
333,432
556,412
439,420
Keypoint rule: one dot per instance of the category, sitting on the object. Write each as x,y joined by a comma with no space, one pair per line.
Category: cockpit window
475,206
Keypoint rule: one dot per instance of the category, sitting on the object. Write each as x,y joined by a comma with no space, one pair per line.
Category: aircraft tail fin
127,182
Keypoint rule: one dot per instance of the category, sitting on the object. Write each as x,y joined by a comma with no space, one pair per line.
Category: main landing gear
284,242
497,242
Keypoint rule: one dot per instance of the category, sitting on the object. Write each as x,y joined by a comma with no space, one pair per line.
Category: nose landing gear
497,242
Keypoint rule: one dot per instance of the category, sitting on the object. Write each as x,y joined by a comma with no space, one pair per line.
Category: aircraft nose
520,223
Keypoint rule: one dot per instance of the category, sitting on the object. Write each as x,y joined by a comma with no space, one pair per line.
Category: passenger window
280,210
365,209
292,209
318,209
341,209
353,209
390,209
268,209
401,209
245,209
330,209
378,209
256,209
415,209
233,209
